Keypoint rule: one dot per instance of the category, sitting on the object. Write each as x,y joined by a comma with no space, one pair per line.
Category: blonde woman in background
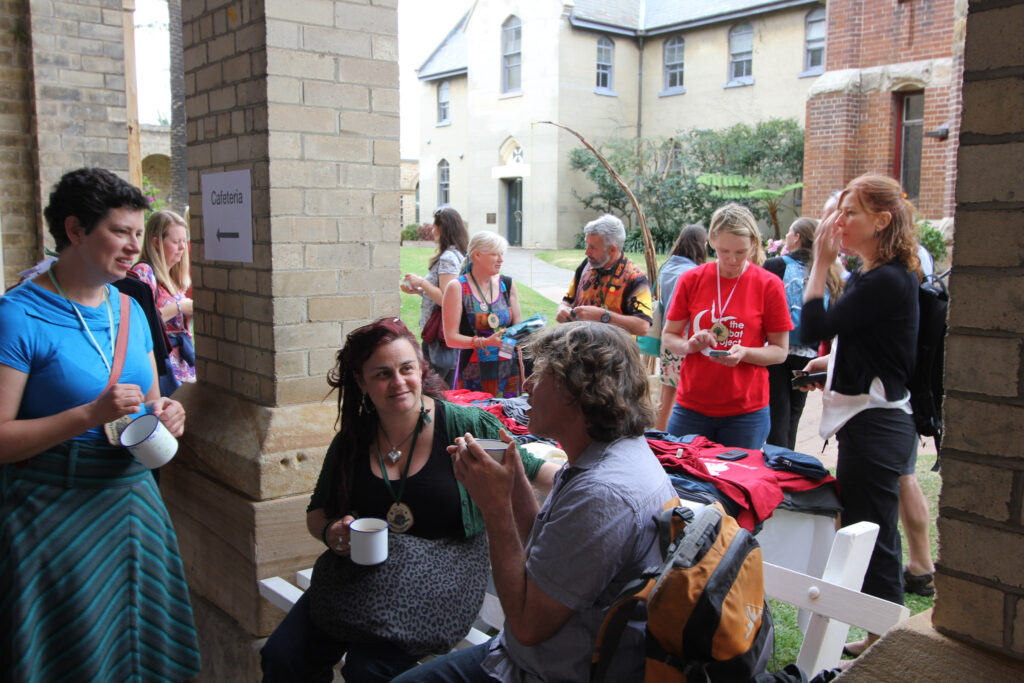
739,324
476,309
164,265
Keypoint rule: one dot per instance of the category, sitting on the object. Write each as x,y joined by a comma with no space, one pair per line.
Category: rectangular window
814,58
674,49
911,143
511,55
741,53
443,101
605,50
443,184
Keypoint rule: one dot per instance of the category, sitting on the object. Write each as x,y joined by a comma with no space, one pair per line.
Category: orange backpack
707,619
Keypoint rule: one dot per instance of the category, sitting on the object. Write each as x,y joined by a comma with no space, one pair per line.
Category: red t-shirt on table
758,307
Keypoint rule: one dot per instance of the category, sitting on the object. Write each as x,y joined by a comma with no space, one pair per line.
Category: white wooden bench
834,600
284,594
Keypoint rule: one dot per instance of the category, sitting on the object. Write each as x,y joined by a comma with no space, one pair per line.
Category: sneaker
919,584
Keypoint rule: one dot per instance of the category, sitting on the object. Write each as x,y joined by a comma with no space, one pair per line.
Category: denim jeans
298,650
748,430
463,666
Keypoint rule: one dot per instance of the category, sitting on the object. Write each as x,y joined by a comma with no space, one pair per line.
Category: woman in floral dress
164,266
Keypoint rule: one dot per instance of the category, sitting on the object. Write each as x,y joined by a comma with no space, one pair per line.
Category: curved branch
649,255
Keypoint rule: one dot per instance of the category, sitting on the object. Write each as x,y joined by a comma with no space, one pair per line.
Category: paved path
523,266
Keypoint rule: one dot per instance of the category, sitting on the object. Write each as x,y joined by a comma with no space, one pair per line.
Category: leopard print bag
424,598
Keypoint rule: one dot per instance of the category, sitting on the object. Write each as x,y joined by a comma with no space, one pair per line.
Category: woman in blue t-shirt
88,557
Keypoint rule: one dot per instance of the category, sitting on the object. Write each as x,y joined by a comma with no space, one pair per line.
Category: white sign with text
227,216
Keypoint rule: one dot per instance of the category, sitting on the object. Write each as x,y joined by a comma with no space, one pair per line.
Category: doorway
514,211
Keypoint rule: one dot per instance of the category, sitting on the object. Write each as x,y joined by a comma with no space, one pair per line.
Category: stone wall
19,208
980,581
876,49
62,94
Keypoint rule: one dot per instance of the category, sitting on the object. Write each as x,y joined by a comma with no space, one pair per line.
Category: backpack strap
619,614
507,281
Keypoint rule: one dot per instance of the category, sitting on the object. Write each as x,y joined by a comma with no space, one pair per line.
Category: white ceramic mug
149,441
494,448
368,540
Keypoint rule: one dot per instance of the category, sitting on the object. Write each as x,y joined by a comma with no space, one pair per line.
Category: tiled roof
449,59
621,16
661,15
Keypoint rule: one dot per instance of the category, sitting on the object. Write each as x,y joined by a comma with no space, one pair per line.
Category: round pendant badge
400,518
492,321
721,332
484,307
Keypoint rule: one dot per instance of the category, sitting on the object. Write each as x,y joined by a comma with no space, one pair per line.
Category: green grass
787,634
570,259
415,260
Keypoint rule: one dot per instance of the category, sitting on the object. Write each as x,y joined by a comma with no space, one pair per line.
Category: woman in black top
866,399
785,403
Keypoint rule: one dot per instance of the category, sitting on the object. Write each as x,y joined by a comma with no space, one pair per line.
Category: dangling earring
877,233
366,405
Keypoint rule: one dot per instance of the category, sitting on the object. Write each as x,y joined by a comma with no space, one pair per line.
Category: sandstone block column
980,585
304,94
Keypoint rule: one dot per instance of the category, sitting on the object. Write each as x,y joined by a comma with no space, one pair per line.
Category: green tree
663,174
740,188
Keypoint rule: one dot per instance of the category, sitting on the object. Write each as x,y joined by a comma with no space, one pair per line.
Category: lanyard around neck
718,281
490,288
88,332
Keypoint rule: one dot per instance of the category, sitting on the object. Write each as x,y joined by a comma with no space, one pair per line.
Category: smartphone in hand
809,380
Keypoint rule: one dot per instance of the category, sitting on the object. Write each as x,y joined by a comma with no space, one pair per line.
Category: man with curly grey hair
558,567
607,286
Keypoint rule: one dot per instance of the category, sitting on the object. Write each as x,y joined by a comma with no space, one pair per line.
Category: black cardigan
876,320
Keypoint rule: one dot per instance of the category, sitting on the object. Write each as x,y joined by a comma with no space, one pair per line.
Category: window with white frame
605,53
674,48
443,183
443,101
814,57
511,55
741,54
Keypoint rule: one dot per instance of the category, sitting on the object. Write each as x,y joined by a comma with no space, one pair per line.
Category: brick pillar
980,583
304,94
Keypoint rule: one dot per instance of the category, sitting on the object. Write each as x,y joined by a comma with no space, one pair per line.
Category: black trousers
873,450
785,404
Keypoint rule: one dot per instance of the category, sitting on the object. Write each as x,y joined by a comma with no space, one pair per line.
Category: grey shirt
594,534
450,263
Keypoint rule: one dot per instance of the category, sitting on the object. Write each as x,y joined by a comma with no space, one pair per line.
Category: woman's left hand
170,412
734,358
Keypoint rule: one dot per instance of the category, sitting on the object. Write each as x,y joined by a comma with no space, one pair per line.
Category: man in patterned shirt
608,287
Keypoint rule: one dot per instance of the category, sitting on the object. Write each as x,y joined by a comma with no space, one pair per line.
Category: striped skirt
91,582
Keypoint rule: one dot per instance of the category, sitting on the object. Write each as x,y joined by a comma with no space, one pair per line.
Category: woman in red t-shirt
740,325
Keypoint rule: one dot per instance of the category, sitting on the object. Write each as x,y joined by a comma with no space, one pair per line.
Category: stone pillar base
913,651
229,652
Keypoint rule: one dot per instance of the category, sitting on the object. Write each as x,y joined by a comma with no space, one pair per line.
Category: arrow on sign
229,235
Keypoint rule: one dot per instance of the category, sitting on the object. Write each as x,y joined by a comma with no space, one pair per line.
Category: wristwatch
606,317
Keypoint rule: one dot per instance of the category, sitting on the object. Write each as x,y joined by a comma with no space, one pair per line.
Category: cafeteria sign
227,216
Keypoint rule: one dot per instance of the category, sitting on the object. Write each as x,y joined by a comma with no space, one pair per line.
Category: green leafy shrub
931,239
410,232
152,193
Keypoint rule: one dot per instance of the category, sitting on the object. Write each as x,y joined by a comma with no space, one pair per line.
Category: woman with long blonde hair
164,266
738,324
